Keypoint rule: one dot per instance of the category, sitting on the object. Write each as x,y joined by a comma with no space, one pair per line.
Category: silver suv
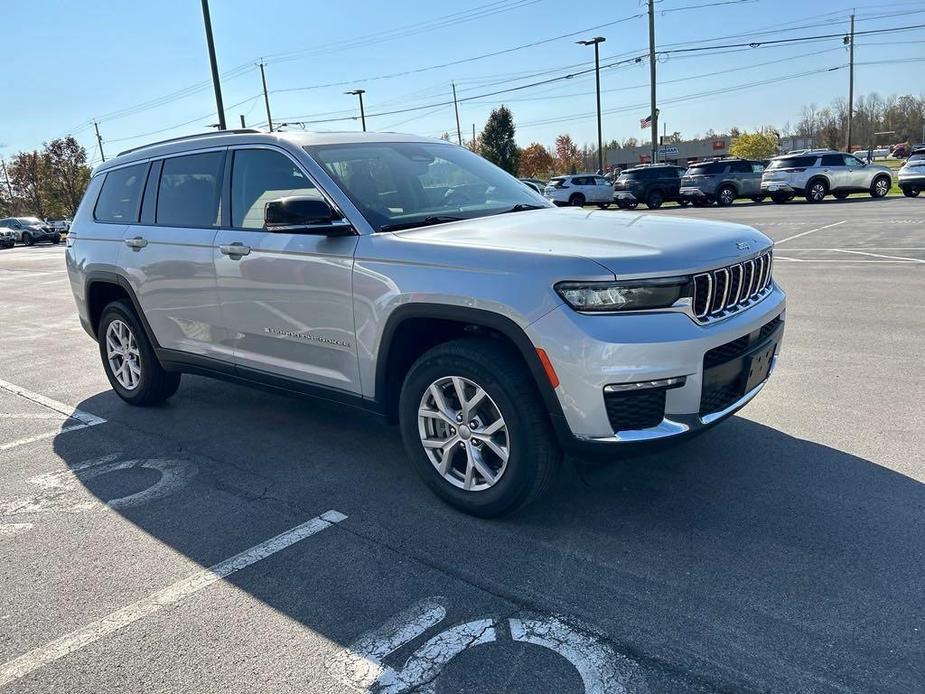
411,277
816,173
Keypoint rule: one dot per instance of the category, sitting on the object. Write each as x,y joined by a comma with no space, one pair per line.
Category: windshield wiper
522,206
427,221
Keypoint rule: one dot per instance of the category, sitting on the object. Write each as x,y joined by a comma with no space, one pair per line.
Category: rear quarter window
121,194
792,163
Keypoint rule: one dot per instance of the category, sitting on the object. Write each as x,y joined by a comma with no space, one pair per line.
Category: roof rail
239,131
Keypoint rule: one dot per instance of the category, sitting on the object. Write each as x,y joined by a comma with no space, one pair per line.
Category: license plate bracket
759,366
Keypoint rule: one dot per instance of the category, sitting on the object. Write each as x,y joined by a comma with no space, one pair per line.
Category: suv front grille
728,289
635,410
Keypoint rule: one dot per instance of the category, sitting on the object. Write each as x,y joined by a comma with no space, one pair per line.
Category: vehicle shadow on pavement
746,557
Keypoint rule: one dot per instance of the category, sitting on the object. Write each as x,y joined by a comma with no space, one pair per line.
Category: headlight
627,295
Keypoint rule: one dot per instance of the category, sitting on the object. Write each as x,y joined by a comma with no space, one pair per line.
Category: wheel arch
401,344
818,177
101,289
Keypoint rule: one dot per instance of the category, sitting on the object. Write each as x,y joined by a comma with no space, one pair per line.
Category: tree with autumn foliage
568,154
536,162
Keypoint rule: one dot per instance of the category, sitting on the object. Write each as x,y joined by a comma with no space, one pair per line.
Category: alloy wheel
123,355
463,433
881,187
817,192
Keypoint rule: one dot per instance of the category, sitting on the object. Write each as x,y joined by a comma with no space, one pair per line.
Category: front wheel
475,428
725,196
577,200
129,360
880,187
816,191
654,200
28,240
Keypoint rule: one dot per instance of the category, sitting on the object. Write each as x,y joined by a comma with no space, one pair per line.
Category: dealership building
689,151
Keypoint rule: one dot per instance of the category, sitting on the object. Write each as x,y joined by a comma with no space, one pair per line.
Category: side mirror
304,215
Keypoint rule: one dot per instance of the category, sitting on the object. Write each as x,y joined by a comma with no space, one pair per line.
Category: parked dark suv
722,182
652,185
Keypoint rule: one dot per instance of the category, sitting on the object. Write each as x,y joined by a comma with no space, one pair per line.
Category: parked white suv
580,189
412,278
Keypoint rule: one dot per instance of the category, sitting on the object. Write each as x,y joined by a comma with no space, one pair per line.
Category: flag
645,122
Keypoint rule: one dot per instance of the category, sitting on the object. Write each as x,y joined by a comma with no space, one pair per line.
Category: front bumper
624,196
591,352
916,181
7,242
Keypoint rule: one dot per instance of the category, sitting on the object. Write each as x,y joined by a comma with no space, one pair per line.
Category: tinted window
757,168
259,176
705,169
740,167
833,160
118,201
190,190
792,162
639,174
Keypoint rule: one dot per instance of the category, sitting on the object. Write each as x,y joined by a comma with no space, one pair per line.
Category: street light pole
850,85
596,41
360,93
215,83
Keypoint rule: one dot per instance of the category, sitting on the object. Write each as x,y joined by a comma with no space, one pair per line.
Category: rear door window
793,163
189,194
706,169
120,195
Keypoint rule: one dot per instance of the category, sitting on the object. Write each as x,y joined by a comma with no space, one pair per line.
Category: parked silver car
413,278
912,174
30,230
815,174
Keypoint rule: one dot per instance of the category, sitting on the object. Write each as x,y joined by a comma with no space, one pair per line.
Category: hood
628,244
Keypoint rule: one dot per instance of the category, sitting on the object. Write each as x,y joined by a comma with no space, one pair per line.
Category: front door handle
136,243
235,248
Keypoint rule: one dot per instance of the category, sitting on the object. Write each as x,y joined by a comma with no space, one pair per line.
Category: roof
226,138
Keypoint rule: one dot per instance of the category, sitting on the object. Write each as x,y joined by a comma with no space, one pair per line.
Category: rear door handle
235,248
136,243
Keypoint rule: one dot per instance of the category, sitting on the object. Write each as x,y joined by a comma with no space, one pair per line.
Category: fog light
676,382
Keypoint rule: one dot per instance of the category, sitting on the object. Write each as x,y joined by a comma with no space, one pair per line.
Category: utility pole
456,106
266,97
596,41
850,84
215,83
473,137
360,93
654,114
99,139
242,121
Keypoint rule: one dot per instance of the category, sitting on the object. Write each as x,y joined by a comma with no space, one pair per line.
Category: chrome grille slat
727,289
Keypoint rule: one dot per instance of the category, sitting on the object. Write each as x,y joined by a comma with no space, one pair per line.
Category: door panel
288,305
856,174
287,299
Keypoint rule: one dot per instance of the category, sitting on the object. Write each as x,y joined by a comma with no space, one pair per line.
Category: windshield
404,184
29,220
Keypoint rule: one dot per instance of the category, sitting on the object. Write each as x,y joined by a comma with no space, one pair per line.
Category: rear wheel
911,192
576,200
603,205
725,196
129,360
27,239
758,198
816,191
475,428
654,200
684,203
880,187
841,195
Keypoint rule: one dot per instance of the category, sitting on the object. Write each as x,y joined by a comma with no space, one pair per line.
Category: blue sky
115,61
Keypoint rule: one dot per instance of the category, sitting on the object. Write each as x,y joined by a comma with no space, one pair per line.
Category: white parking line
811,231
877,255
94,631
84,419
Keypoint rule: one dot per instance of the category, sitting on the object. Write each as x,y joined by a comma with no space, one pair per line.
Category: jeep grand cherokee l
411,277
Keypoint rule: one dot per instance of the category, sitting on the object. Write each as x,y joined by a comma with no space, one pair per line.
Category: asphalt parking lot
238,540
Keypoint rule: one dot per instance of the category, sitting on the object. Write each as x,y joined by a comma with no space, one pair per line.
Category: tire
654,199
56,239
510,393
725,196
153,385
780,198
28,240
841,195
816,190
603,205
630,204
911,192
880,187
576,200
758,198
